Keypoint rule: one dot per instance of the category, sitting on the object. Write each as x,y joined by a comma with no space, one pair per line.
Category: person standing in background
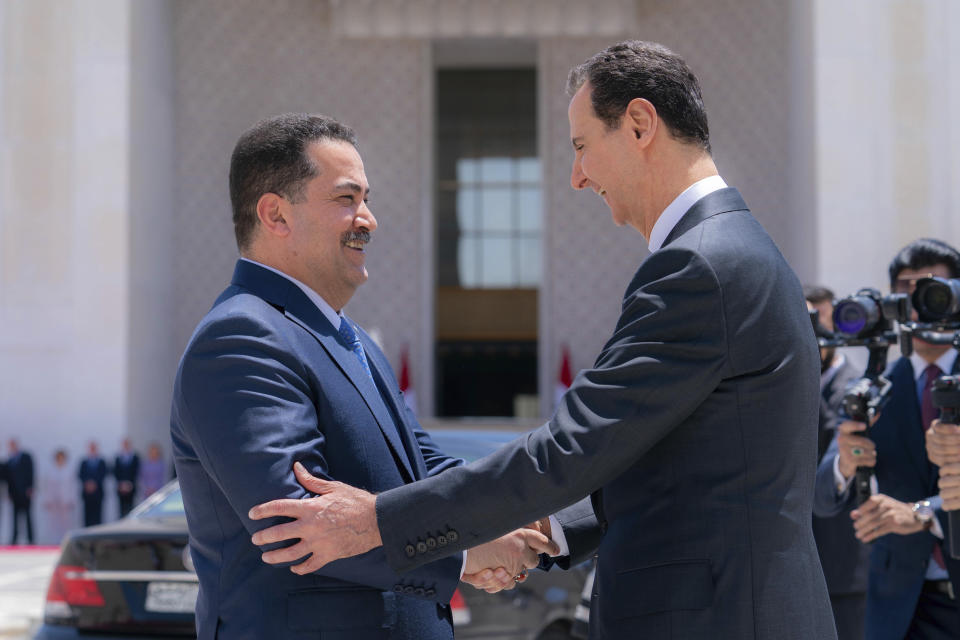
20,488
92,472
153,472
845,561
126,469
58,499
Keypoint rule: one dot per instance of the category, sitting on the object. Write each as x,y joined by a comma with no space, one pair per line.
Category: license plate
171,597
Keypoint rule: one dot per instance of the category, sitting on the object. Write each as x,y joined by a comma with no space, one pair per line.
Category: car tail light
460,610
69,586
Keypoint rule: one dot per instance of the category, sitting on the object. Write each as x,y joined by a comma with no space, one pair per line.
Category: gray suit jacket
698,422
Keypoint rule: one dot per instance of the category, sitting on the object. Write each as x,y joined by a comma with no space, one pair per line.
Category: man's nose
577,179
365,218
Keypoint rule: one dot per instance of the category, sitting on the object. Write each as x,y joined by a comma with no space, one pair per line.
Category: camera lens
855,315
937,299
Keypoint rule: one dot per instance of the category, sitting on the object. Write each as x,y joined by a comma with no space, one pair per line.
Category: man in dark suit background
275,374
92,472
843,557
912,584
20,487
695,430
126,470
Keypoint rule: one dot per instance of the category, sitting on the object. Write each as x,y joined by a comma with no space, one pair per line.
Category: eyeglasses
909,283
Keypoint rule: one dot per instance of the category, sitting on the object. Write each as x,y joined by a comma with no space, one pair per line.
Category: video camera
937,302
866,319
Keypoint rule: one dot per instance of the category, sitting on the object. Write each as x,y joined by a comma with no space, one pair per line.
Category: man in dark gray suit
695,431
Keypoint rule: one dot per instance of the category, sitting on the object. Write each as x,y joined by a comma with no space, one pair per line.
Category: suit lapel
720,201
381,369
294,304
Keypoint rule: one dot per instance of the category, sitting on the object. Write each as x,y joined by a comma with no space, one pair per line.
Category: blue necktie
353,341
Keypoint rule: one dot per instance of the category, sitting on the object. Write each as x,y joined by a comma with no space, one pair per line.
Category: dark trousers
92,510
849,613
21,509
126,503
936,618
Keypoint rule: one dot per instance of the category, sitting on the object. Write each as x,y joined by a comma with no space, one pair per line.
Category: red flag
565,378
406,386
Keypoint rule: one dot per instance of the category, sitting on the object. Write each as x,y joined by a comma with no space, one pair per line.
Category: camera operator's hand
943,444
949,484
881,515
855,450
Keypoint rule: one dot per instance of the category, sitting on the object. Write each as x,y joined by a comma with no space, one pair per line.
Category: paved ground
24,574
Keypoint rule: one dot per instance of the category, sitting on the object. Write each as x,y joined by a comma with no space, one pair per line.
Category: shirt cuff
935,527
557,535
841,484
463,565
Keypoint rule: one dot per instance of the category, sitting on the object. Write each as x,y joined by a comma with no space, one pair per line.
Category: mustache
361,235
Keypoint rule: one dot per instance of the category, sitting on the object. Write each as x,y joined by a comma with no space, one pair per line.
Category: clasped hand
341,522
943,449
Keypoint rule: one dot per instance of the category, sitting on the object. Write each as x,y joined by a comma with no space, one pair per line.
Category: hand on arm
854,449
881,515
340,522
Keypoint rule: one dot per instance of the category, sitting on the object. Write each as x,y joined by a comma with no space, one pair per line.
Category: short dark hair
922,253
637,69
815,294
271,157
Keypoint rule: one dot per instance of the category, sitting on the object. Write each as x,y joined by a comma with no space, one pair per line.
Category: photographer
911,586
843,558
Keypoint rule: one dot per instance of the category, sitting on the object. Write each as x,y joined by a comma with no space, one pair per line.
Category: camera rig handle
946,397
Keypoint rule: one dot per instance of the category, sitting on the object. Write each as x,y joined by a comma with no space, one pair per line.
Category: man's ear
642,120
270,212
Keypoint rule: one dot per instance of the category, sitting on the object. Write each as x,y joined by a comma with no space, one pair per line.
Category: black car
134,578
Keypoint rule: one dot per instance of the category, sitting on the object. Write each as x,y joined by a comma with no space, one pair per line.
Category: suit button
398,588
453,536
430,593
419,591
421,547
408,589
431,543
410,551
442,540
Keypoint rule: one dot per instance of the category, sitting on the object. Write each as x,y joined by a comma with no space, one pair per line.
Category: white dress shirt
680,205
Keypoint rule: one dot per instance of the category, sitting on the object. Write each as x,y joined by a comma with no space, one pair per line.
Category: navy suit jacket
843,557
266,381
127,469
20,477
699,423
95,470
898,564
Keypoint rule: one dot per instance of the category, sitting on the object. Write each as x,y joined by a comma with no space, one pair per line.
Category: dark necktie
928,413
353,341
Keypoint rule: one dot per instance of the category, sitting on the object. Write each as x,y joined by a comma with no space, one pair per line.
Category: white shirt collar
945,362
681,204
315,298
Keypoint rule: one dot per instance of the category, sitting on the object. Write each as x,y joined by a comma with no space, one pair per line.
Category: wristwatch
923,513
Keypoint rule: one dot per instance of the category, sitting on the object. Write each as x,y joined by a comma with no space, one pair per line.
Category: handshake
503,563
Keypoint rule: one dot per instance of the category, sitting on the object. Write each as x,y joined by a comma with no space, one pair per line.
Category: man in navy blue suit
91,473
913,583
20,488
126,470
276,374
